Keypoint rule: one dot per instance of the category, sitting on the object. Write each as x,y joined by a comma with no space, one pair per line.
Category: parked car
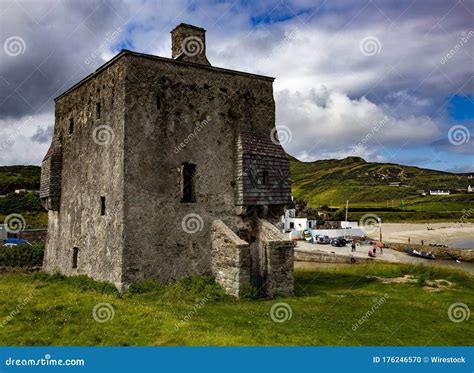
9,242
323,240
338,242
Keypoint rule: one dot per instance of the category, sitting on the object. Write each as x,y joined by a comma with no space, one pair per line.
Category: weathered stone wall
230,259
90,170
278,262
324,257
178,112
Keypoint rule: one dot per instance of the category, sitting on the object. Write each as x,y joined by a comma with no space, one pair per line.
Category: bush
21,256
248,292
81,282
145,287
15,203
190,288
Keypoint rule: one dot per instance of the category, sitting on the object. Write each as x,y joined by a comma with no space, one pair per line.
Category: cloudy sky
390,81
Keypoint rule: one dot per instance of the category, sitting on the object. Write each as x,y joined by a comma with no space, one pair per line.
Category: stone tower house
165,168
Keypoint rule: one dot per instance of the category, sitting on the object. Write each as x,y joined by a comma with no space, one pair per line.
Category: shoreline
445,233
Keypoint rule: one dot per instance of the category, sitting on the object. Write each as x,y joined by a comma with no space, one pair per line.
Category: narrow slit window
188,182
71,125
97,110
75,256
102,206
265,178
158,102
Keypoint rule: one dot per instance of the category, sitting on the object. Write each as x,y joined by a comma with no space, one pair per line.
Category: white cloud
17,145
325,123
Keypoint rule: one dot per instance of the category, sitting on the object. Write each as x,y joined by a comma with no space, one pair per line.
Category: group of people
372,252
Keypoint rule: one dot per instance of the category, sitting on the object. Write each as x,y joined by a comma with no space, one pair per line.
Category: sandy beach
387,255
440,233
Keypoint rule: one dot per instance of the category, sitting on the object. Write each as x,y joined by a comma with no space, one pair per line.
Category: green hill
19,177
367,185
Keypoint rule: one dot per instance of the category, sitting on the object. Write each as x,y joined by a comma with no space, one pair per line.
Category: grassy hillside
366,185
26,204
327,309
19,177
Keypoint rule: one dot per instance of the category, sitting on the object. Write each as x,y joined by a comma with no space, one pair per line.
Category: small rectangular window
292,225
188,182
102,206
75,256
71,125
265,178
97,110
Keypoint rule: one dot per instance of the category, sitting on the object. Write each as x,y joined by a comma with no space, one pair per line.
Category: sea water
467,244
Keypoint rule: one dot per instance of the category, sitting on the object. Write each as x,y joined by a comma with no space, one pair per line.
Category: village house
439,192
164,168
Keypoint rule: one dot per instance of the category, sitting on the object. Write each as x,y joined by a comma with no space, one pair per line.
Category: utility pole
345,227
380,229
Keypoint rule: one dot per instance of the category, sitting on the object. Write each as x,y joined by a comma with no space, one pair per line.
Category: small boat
419,254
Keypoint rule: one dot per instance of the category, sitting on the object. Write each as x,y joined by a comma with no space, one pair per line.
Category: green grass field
38,309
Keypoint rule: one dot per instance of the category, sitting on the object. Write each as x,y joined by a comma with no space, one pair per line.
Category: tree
300,204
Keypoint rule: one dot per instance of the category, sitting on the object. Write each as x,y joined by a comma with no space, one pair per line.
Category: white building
439,192
469,189
290,222
349,224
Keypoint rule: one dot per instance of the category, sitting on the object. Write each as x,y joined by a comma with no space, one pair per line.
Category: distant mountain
19,177
333,181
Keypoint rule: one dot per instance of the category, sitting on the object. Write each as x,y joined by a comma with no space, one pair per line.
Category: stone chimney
188,43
